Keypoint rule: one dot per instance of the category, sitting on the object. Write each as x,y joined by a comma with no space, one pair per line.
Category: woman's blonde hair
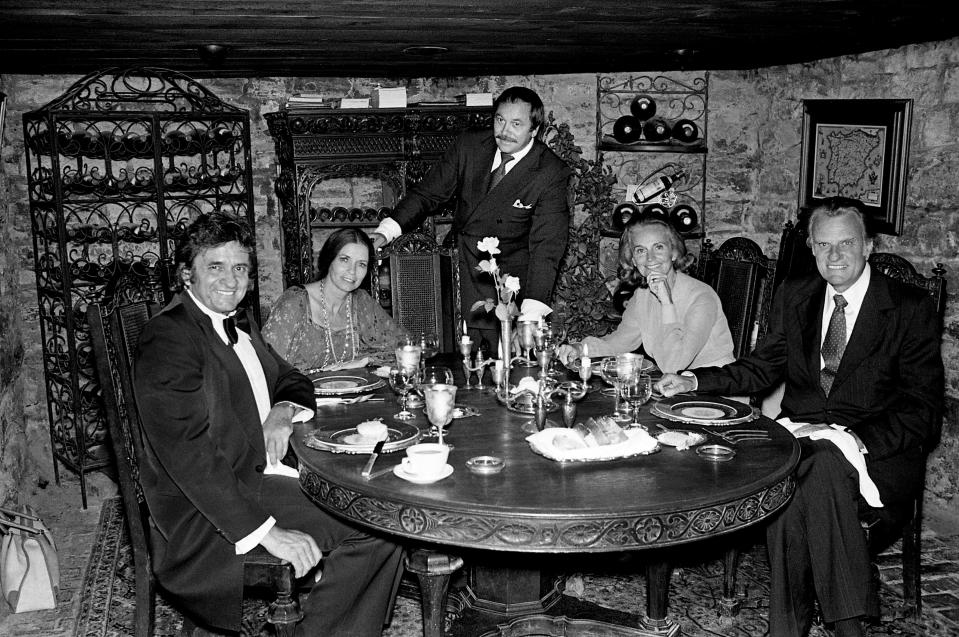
629,273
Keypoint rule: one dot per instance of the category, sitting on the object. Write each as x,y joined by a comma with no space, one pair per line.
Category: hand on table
672,384
297,547
566,353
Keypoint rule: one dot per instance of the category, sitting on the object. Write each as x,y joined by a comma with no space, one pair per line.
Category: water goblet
402,381
636,389
526,333
439,406
408,353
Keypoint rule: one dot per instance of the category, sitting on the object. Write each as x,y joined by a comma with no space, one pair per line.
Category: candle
465,339
464,328
499,363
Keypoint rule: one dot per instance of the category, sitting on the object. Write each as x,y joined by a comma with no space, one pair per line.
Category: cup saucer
415,479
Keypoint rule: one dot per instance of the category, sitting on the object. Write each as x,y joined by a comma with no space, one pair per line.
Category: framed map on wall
857,149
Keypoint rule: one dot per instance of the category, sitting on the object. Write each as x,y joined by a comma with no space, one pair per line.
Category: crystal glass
429,343
436,375
402,381
408,354
440,399
526,334
610,372
636,389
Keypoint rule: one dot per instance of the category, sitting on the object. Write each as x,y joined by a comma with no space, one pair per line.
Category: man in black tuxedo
217,406
506,184
860,357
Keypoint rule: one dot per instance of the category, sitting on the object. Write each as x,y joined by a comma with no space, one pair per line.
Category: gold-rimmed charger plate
401,436
349,382
708,411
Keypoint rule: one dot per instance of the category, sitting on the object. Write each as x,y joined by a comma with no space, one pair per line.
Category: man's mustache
506,139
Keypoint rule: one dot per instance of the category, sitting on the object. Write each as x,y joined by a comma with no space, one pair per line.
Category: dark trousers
361,572
817,548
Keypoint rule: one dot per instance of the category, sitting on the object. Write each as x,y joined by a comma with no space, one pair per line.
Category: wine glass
636,389
403,380
439,406
436,375
611,371
526,334
429,343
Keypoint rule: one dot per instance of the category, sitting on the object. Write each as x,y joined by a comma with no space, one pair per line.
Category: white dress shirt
261,393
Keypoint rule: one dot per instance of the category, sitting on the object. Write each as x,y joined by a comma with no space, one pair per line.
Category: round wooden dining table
538,506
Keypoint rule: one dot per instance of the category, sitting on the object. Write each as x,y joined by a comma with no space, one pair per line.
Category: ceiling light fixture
212,54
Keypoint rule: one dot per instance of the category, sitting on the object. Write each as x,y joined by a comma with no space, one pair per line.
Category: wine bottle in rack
627,129
683,217
656,211
623,214
656,130
685,131
656,186
643,107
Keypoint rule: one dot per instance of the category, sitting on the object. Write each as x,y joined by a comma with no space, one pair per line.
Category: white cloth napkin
280,469
320,402
847,444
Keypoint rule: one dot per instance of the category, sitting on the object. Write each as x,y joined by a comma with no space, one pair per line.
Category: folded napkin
333,400
353,364
527,383
846,444
280,469
639,442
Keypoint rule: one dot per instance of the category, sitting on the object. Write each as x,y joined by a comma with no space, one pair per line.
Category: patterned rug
107,595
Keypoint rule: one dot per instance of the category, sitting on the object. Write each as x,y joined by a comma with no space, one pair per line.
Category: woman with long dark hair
331,323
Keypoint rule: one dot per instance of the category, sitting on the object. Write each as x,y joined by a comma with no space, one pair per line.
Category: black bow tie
238,320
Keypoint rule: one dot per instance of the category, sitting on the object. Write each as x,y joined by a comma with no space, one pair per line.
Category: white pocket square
520,204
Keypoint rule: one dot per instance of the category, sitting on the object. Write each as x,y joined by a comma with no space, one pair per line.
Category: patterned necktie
497,175
231,323
834,344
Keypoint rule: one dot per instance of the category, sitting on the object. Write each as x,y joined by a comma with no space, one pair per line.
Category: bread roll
373,429
568,440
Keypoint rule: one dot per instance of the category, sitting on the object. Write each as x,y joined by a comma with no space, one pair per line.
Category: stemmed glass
429,344
610,371
408,357
402,381
636,388
439,406
436,375
526,334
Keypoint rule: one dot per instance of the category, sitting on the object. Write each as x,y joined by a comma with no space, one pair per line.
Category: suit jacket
889,385
205,453
527,210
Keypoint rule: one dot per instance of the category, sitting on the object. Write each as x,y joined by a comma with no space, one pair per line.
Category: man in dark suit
506,184
859,354
217,403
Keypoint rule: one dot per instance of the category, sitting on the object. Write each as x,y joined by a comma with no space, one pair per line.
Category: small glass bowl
485,465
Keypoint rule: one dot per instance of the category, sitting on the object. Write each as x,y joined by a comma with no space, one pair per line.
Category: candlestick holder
466,350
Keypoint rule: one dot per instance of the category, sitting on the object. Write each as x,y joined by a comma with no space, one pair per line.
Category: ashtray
485,465
716,453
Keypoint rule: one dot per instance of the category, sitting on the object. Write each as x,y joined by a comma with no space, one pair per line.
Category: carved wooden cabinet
345,167
118,166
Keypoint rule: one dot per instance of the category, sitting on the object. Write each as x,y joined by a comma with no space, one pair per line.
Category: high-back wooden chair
742,277
114,334
879,537
424,287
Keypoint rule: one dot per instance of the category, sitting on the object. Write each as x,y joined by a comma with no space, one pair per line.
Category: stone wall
752,176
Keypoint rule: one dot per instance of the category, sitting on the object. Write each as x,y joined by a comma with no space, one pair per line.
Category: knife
368,469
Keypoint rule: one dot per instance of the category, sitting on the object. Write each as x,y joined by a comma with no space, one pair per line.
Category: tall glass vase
506,351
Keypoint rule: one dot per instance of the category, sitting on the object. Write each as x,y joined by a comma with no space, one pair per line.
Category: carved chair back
742,277
424,286
114,333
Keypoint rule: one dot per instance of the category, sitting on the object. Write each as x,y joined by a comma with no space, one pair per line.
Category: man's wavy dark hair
537,113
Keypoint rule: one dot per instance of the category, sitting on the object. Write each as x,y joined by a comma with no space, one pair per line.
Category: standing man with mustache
505,184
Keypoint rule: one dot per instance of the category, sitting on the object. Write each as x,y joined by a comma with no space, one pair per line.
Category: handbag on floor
29,567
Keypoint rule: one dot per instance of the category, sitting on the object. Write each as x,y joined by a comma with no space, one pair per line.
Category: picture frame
857,148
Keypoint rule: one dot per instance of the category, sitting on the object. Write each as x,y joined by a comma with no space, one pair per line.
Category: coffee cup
425,459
